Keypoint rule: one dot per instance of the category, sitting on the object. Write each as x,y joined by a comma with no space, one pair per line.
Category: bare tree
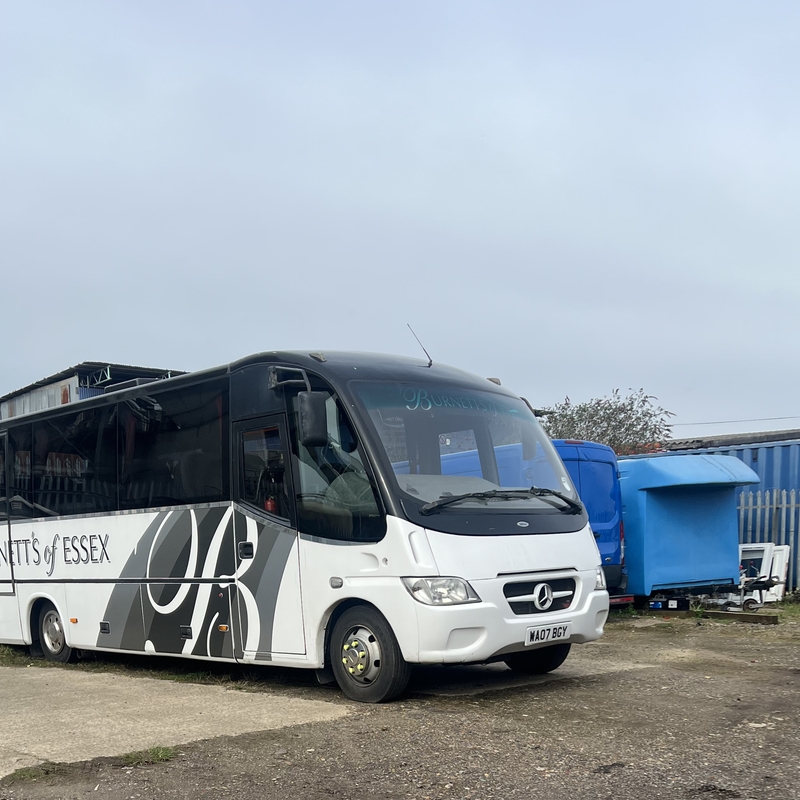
628,424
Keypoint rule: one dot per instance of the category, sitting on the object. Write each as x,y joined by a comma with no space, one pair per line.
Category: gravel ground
655,709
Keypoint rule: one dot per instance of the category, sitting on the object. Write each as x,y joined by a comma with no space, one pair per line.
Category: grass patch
52,770
788,610
28,774
154,755
241,677
11,656
623,612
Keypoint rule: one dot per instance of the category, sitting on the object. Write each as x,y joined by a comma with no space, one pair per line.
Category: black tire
365,657
52,637
540,661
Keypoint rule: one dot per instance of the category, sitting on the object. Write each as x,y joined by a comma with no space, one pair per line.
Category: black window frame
110,406
12,489
55,425
4,475
154,393
255,424
370,472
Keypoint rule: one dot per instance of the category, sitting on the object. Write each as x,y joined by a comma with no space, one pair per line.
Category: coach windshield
468,461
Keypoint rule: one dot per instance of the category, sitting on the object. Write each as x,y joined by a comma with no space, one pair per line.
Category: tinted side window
336,496
264,480
3,492
598,490
251,395
74,463
20,489
174,447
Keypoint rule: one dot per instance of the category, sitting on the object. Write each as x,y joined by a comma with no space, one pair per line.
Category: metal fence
773,516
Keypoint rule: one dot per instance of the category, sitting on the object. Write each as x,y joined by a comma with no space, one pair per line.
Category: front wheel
52,639
365,657
540,661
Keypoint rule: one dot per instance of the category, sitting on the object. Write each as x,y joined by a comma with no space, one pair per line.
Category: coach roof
343,366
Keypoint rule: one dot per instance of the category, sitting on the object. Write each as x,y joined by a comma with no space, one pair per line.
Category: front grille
563,590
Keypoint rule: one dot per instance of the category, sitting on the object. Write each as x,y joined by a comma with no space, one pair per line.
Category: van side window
601,477
336,496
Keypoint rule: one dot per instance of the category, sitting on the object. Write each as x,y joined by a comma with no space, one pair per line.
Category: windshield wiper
573,506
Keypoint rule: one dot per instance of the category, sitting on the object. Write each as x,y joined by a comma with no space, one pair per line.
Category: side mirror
312,418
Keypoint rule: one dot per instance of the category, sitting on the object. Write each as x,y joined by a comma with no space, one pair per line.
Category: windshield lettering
418,398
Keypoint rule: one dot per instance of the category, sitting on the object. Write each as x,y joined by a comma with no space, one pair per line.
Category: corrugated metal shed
769,512
776,462
732,440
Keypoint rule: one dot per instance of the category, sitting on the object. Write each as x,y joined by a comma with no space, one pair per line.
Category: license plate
547,634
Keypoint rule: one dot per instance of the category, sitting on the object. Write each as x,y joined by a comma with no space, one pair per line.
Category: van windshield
443,441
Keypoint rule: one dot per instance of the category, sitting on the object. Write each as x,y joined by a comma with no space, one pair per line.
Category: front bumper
485,631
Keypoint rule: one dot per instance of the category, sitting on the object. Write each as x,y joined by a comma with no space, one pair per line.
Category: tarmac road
655,709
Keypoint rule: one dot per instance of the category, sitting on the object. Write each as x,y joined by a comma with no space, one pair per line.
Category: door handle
245,550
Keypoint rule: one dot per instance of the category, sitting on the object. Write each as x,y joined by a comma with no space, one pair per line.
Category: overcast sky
572,196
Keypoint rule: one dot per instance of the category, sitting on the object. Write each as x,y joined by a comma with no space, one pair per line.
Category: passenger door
268,600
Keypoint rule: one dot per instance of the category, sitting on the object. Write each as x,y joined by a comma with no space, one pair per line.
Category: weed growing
14,656
788,609
29,774
624,612
153,755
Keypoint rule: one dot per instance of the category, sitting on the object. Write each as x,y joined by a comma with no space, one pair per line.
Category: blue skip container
681,523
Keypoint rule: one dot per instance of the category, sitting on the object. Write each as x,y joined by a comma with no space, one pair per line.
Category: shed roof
733,439
95,373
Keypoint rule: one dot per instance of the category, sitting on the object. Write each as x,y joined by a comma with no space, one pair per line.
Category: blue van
593,469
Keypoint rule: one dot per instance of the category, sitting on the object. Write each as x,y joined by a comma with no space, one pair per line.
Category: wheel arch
30,620
366,661
330,619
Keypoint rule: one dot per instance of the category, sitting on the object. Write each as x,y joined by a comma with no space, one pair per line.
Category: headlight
600,580
441,591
